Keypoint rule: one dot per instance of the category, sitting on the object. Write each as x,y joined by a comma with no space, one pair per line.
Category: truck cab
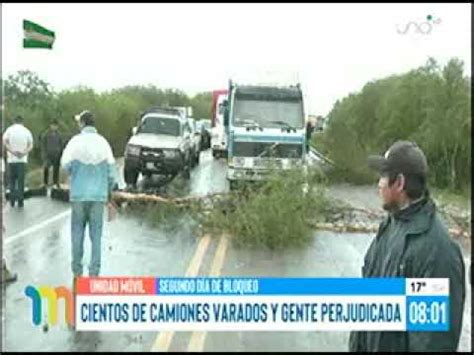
266,130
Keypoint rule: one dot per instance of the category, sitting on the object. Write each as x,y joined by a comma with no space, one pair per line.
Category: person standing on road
51,149
18,142
412,242
89,161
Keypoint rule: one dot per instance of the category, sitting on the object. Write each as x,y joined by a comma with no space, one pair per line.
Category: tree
201,104
430,105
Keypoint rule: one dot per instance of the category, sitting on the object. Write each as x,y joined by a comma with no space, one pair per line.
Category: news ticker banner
261,304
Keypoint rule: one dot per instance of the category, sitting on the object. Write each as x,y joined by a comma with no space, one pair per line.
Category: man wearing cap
89,160
412,242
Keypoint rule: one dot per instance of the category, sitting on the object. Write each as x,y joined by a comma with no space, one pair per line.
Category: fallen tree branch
120,196
361,228
339,226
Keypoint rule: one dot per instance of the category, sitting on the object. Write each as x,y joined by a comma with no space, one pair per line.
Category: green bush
274,214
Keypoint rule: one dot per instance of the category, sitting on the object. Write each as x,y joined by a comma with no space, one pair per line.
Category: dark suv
160,145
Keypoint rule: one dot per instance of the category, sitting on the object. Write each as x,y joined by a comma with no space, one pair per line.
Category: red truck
218,134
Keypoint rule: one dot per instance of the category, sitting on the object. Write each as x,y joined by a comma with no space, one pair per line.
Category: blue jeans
83,213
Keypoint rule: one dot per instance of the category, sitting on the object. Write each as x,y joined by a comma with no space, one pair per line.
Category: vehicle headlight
170,153
132,150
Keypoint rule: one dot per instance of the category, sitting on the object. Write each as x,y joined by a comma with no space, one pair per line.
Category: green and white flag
37,36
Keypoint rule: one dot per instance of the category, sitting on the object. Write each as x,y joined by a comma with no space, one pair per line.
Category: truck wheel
198,156
192,160
187,173
232,185
215,154
130,176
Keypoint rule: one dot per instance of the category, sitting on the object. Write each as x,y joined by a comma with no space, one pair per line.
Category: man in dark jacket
52,147
412,242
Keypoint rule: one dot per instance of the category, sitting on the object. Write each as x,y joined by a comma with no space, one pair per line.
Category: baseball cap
402,157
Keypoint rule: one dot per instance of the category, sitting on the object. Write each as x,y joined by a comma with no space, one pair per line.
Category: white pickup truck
162,144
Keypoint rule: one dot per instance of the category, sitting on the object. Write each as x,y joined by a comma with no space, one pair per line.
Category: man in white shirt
18,141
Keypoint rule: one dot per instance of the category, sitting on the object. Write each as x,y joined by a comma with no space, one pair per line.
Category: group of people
88,160
18,143
412,241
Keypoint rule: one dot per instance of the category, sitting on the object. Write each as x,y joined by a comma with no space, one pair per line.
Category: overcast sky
335,48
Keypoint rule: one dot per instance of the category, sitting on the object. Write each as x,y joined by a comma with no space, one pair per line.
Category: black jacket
415,243
52,144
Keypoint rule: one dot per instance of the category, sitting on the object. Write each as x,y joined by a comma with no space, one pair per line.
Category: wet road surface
37,247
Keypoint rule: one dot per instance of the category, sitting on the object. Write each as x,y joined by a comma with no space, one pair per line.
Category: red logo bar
122,285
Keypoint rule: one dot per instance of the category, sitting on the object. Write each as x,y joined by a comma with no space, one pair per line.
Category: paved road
37,246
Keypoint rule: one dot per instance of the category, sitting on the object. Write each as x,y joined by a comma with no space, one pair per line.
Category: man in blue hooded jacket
89,160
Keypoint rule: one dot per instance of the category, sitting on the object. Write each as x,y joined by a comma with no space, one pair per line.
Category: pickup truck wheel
130,176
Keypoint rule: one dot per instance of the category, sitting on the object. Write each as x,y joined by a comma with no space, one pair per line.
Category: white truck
161,144
266,130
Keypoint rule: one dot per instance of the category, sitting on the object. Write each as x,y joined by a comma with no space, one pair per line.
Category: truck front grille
266,150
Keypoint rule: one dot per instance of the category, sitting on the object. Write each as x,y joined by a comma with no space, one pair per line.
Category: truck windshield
268,113
159,125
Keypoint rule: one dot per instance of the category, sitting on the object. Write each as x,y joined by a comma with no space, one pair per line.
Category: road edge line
32,229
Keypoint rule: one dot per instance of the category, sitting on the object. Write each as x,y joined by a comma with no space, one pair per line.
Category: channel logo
52,295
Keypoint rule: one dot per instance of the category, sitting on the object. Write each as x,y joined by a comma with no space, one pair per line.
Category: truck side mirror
134,130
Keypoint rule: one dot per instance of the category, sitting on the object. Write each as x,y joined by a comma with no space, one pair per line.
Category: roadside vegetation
430,105
117,111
